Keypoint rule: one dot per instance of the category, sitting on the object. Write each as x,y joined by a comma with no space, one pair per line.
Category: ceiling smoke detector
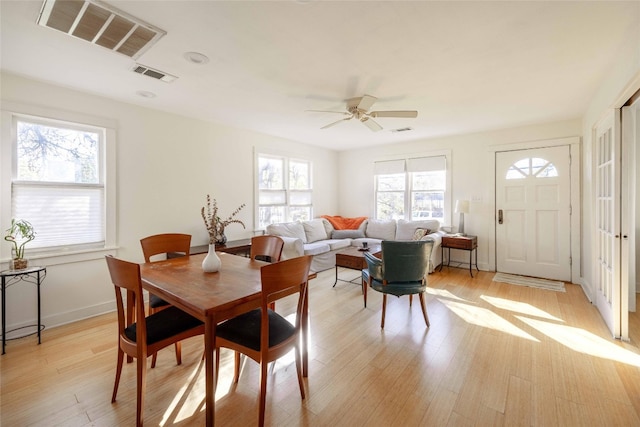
154,74
100,24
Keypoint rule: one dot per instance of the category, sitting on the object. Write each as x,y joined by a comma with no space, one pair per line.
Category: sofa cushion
314,230
338,244
406,229
384,229
347,234
288,229
316,248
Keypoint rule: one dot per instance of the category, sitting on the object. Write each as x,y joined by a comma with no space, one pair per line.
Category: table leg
470,265
336,281
365,285
39,322
305,333
4,316
209,348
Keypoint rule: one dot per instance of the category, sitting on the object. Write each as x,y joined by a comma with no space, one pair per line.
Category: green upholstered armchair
403,270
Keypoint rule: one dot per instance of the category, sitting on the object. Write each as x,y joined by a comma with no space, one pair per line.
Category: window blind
389,167
427,164
62,215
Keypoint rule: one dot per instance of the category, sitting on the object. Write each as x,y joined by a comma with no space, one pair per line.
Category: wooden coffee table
353,258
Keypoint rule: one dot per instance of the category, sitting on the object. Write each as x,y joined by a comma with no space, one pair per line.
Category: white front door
606,153
533,212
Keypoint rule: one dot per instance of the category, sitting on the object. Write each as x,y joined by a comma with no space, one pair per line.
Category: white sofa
317,237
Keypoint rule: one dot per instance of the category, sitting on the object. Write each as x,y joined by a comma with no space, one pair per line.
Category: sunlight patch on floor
584,342
519,307
446,294
187,400
485,318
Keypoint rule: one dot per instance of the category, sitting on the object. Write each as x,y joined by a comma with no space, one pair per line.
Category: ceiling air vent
407,129
101,24
156,74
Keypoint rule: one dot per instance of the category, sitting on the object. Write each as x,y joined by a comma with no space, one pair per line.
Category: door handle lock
500,216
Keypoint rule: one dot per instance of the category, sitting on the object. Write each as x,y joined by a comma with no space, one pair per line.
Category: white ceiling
465,66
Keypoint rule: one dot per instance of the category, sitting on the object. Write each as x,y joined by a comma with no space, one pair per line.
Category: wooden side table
8,278
463,243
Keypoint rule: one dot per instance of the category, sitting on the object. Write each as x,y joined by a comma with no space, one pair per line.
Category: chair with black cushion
161,244
402,270
266,248
148,334
264,335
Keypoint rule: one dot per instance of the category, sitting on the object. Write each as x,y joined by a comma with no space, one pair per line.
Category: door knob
500,216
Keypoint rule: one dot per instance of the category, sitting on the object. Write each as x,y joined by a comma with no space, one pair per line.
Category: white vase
211,263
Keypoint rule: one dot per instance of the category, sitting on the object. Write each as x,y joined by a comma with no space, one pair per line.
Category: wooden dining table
212,298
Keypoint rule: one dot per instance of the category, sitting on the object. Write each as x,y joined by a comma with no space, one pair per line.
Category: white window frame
403,163
9,115
287,205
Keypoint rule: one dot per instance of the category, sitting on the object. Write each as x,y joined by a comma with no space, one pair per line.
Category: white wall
166,165
472,177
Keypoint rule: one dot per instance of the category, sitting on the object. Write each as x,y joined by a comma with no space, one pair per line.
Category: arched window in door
532,166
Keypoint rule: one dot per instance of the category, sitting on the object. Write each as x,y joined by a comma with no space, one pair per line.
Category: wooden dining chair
264,335
161,244
148,334
266,248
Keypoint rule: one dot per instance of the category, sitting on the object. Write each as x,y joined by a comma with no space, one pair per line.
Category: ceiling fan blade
344,113
337,122
399,113
366,102
368,122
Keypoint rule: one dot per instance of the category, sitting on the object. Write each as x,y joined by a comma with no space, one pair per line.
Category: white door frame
574,144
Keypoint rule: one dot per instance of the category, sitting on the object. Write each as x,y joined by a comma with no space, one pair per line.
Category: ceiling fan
358,108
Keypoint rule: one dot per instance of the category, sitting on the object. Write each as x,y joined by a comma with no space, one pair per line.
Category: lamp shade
462,206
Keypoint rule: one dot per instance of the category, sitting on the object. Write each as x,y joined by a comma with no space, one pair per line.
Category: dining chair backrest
266,248
164,243
280,278
126,276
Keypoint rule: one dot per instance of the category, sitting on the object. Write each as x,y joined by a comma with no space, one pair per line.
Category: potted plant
19,234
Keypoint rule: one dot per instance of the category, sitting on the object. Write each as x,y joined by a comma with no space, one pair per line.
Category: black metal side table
34,275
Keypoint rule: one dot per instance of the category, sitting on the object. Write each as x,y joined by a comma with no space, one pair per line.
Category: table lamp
462,207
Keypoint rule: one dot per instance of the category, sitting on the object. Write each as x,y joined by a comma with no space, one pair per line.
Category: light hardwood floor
495,354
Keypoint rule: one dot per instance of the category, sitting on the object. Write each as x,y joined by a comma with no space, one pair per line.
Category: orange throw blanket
340,223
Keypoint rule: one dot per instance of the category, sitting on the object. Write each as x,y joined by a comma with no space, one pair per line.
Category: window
416,186
284,190
59,184
532,166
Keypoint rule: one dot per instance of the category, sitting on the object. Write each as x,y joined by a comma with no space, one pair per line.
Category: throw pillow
407,228
420,233
347,234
